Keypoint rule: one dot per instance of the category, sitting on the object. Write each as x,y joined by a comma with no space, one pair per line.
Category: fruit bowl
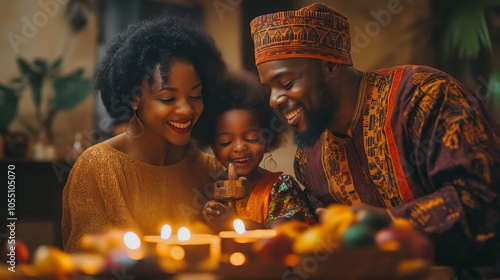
366,263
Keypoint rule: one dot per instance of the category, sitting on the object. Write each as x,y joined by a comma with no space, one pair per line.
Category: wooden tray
347,264
370,263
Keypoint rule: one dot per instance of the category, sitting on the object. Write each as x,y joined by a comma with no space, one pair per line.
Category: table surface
434,273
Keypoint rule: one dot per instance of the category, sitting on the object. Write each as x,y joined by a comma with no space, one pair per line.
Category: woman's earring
269,162
134,127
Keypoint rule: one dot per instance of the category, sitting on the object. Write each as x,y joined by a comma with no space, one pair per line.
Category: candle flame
239,226
166,232
183,234
131,240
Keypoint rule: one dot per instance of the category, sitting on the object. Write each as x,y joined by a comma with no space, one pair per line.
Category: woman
158,74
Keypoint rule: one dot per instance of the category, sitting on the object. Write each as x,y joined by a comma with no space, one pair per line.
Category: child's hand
217,214
214,209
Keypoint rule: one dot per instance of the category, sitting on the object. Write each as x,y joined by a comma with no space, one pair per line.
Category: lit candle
133,244
239,226
184,234
166,232
241,241
186,251
131,240
241,233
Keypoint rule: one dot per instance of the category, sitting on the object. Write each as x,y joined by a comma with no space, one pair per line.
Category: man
410,139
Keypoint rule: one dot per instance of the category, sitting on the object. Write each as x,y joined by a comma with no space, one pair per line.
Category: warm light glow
249,234
88,267
183,234
166,232
131,240
88,263
177,253
239,226
237,259
292,260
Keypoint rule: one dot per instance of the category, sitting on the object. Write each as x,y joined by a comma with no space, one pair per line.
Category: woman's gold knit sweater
109,189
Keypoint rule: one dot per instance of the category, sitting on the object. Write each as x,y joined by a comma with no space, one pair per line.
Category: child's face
238,140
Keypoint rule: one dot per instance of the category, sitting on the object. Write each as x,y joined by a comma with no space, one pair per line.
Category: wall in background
39,29
386,33
223,20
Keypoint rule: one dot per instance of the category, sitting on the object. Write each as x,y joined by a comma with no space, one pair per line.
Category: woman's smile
181,127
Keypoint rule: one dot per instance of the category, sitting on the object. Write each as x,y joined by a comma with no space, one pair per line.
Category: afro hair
242,90
132,55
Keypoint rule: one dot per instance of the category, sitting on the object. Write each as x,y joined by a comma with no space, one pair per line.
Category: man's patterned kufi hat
316,31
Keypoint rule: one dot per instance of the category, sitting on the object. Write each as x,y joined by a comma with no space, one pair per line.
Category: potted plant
467,37
68,91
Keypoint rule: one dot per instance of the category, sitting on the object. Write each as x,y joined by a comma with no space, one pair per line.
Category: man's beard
317,121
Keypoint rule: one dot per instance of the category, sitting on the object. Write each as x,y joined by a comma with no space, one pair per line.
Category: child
243,128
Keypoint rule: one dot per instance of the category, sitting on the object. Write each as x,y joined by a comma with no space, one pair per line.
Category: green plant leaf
8,106
54,68
42,67
467,31
35,78
36,84
70,90
493,94
494,86
24,67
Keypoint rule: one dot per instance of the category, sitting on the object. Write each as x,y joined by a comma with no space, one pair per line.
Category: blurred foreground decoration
468,39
